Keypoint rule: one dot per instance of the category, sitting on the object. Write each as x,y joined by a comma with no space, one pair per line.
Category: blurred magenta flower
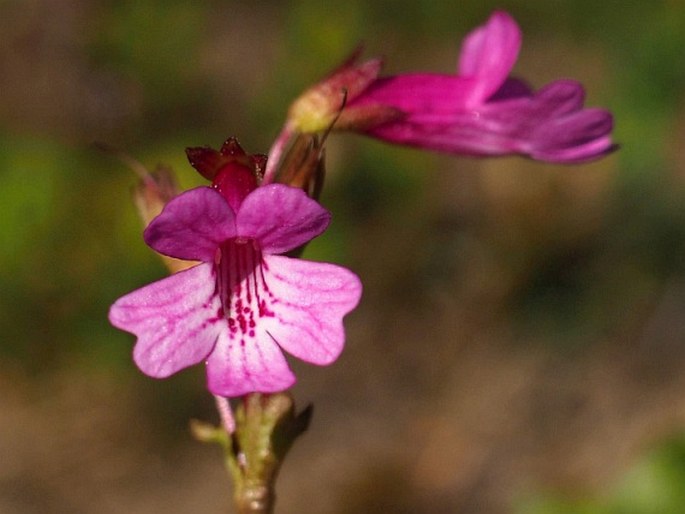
242,304
479,111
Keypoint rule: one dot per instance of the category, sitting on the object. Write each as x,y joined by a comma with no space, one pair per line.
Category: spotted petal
309,300
192,225
241,364
174,319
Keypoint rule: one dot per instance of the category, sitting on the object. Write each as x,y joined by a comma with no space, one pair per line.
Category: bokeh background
520,347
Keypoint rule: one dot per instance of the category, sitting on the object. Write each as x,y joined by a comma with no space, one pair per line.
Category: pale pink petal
242,364
308,302
280,218
192,225
175,320
489,53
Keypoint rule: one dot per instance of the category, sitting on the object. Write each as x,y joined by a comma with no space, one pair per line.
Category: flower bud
317,108
303,165
209,162
153,191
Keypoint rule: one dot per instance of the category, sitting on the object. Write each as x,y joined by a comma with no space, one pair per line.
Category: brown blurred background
520,346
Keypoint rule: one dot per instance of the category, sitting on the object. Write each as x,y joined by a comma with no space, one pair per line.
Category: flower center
244,293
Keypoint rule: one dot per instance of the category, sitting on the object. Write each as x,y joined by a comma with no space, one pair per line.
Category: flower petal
280,218
583,136
550,125
487,57
418,92
241,364
175,320
309,300
489,53
192,225
553,100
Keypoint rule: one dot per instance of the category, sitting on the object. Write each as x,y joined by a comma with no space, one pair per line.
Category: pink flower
479,111
243,304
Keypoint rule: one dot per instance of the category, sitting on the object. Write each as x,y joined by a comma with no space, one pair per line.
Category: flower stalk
266,426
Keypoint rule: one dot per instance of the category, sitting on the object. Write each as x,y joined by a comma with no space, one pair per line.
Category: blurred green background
521,342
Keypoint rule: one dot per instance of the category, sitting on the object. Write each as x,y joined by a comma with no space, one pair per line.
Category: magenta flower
479,111
243,304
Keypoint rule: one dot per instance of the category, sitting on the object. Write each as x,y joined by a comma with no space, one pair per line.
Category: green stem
266,427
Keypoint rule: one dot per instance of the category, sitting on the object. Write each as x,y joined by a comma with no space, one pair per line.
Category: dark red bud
208,161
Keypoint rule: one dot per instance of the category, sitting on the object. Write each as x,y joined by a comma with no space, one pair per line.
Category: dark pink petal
482,111
583,136
192,225
487,57
175,320
280,218
419,92
308,305
489,53
553,100
240,365
511,89
550,125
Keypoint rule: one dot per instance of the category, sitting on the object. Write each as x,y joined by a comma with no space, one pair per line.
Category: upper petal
280,218
192,225
308,303
175,320
489,53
